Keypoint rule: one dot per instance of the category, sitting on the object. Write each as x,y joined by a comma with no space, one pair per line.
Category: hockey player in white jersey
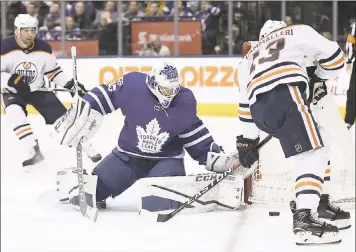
275,93
25,60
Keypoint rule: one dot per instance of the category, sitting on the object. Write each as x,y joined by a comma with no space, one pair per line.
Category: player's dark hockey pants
46,103
118,171
351,96
284,113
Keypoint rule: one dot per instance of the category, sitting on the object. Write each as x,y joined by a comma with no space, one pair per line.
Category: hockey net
273,180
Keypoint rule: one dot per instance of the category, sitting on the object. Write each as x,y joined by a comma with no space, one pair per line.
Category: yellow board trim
204,109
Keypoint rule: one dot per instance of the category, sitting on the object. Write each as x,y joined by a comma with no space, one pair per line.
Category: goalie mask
164,83
271,26
22,22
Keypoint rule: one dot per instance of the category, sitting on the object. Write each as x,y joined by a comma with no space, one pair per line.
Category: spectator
80,18
209,16
107,37
288,20
13,9
89,10
42,11
72,30
31,9
154,10
109,11
155,48
183,11
53,18
193,6
133,12
237,42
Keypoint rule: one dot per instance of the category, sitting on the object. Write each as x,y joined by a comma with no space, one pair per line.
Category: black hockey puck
274,213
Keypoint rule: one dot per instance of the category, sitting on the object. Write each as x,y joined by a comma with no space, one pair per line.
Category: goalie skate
310,230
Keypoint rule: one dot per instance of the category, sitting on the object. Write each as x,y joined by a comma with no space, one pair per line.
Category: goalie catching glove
247,148
78,124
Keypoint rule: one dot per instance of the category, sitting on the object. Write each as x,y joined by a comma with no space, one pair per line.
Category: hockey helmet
24,21
163,81
270,26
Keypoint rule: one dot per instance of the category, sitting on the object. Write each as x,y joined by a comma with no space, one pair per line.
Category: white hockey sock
310,174
17,119
309,179
326,187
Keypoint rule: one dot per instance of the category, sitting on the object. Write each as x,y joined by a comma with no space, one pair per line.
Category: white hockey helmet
163,81
24,21
270,26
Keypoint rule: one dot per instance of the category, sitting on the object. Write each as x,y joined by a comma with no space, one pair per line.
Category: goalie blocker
162,193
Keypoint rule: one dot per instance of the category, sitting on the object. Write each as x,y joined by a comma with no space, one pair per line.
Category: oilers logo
28,70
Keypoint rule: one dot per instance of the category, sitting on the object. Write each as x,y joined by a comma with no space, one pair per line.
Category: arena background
202,38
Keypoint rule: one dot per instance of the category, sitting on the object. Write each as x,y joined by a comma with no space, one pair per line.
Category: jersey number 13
273,53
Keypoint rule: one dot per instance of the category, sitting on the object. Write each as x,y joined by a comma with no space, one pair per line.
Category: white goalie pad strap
79,122
227,195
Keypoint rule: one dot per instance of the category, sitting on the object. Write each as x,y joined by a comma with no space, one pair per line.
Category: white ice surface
33,221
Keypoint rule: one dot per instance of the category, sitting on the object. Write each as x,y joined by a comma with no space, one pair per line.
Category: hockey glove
247,148
70,85
317,88
18,84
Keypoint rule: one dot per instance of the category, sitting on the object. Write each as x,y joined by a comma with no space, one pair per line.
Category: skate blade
341,224
307,238
31,166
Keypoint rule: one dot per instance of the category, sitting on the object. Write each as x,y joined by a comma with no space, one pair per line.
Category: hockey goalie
161,124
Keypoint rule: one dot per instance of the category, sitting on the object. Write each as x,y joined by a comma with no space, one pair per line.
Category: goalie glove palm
247,148
78,124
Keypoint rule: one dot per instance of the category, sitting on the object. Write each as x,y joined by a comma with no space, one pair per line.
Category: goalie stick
86,210
166,217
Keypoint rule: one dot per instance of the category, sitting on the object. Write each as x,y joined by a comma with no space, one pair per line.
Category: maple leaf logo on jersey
151,140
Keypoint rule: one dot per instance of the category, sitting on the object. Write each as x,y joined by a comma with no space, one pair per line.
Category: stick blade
163,217
148,215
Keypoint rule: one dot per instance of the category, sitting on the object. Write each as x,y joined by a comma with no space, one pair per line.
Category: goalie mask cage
273,180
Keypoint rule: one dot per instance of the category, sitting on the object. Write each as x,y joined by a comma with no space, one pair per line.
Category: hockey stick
86,210
45,89
166,217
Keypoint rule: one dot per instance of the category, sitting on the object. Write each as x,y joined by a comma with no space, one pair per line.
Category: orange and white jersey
33,63
281,58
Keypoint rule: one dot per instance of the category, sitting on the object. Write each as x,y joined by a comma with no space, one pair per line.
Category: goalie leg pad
79,123
67,181
163,193
90,193
164,168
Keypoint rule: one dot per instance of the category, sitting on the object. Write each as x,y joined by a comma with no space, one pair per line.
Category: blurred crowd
98,20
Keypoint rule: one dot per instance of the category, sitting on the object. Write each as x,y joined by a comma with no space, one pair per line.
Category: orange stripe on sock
22,131
308,183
